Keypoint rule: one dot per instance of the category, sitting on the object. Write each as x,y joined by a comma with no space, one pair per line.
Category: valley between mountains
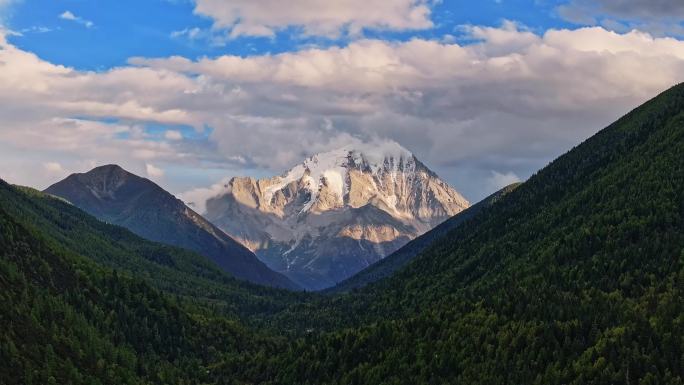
575,276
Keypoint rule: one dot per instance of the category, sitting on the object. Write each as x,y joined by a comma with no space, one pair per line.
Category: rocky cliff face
336,213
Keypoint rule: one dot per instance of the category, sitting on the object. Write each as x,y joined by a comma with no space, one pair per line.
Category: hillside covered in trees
575,277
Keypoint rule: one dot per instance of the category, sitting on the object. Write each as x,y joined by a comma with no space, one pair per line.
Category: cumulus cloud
197,198
513,97
499,180
313,17
68,15
190,33
173,135
153,172
53,167
510,101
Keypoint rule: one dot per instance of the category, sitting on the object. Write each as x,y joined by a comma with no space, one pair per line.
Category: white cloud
511,101
153,172
314,17
197,197
190,33
36,29
68,15
51,170
510,38
53,167
499,180
547,94
173,135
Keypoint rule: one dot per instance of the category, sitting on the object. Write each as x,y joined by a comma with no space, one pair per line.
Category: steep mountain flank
390,264
114,195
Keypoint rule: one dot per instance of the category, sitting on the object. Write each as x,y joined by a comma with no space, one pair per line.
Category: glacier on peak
331,168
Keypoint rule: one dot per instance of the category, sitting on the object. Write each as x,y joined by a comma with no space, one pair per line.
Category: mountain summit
336,213
114,195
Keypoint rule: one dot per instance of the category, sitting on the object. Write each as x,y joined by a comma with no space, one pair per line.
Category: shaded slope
67,320
174,270
119,197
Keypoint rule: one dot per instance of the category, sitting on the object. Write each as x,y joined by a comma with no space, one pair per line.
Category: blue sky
117,33
190,92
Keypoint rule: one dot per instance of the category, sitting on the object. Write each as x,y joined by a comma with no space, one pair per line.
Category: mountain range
576,276
336,213
116,196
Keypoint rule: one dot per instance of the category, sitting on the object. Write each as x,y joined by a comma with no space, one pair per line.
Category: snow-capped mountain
336,213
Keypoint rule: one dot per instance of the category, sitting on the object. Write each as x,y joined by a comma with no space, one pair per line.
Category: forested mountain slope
575,277
395,261
174,270
67,321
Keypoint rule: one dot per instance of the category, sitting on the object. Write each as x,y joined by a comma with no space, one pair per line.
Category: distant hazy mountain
114,195
336,213
387,266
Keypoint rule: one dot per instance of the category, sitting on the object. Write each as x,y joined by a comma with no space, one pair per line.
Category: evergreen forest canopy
574,277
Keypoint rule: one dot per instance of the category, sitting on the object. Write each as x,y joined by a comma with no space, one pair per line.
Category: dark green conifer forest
575,277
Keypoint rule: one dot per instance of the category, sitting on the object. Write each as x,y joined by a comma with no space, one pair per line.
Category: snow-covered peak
335,212
375,155
331,167
379,153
